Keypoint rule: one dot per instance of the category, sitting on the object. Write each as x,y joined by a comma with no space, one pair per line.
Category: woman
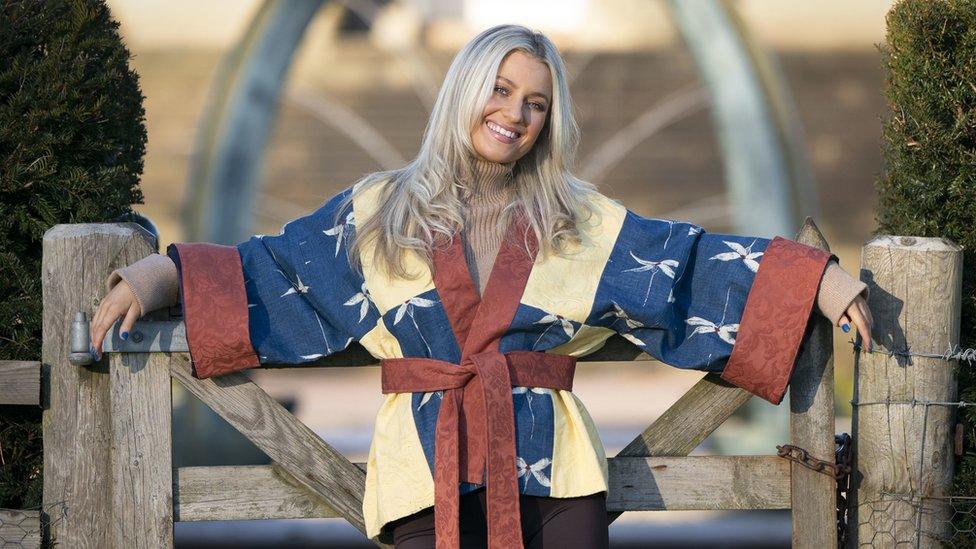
477,273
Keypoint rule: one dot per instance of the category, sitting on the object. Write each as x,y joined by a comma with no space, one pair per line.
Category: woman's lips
499,136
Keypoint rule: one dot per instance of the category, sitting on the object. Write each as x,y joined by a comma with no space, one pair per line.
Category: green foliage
72,140
929,184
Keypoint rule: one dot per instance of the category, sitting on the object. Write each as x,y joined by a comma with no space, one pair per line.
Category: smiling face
517,110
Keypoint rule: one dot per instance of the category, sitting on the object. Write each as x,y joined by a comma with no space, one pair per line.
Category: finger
863,305
862,326
111,313
130,319
94,339
844,322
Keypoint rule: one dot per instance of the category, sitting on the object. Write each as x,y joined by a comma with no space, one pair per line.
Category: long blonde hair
422,201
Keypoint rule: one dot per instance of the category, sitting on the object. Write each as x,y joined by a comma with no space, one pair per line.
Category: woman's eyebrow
510,83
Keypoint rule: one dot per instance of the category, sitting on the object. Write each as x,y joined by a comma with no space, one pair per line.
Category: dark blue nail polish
846,328
125,335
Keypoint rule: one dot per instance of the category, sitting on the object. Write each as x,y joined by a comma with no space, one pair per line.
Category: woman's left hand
859,315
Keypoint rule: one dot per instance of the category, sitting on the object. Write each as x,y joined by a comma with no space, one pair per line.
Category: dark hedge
72,141
928,187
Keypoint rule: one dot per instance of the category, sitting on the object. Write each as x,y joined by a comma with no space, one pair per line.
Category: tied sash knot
475,430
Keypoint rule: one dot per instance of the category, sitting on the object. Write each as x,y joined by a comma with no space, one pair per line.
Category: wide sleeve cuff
153,281
837,291
775,318
211,286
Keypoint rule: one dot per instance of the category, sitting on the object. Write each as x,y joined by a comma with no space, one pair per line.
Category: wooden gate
108,447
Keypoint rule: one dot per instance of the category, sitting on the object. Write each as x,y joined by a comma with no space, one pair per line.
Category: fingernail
125,335
846,328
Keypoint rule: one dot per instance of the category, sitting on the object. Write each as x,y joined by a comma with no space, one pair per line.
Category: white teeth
498,129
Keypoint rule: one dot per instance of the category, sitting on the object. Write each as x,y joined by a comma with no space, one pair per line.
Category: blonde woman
477,274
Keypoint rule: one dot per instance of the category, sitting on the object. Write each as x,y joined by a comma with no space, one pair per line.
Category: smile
500,133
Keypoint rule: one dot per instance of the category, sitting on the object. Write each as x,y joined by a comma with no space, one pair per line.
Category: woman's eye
538,106
501,90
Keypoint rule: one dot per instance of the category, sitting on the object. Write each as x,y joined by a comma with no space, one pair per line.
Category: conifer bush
928,187
72,141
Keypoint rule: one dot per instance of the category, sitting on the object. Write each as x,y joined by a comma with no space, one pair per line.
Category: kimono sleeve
284,299
733,304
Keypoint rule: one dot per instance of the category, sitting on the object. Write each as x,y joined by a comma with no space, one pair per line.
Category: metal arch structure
760,137
229,149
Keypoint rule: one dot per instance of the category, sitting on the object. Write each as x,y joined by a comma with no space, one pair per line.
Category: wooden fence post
903,401
813,499
96,462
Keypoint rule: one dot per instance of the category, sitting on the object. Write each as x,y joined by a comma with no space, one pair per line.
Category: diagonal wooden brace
291,444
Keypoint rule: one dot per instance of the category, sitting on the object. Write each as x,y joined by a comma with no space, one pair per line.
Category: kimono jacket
499,366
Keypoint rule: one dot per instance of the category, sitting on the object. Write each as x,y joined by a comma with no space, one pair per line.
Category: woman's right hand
120,301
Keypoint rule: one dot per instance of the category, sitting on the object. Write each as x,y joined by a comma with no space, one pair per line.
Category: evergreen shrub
928,187
72,141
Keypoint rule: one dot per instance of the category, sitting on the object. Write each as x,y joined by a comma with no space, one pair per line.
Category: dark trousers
547,523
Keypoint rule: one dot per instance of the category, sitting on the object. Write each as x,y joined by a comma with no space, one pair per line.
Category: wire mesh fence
904,520
24,528
911,519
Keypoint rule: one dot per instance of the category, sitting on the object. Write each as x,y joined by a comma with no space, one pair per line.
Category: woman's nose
513,112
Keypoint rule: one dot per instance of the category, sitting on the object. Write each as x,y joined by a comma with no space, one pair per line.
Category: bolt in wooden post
812,426
903,448
102,470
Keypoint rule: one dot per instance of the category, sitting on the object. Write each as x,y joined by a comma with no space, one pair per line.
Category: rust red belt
476,428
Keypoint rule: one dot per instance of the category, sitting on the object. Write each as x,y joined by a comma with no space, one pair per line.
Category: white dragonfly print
406,308
747,256
361,297
427,396
630,323
527,391
666,266
339,231
525,470
554,320
296,288
724,331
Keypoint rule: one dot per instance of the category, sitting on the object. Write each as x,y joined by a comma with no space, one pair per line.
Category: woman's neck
489,181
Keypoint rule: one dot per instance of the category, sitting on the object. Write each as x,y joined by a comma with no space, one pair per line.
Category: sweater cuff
837,291
153,280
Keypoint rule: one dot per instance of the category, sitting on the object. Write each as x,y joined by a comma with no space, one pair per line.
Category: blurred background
355,99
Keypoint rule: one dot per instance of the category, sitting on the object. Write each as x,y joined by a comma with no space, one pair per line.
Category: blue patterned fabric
669,287
676,291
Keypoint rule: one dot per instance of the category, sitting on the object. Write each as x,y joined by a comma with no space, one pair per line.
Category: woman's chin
492,154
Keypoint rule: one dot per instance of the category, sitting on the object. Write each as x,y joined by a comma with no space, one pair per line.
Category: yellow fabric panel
380,342
398,481
567,285
579,462
586,340
386,292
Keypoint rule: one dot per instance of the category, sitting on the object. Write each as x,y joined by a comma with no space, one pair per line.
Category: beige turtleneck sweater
155,284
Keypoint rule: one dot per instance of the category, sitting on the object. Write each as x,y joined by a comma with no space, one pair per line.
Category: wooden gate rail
108,440
249,492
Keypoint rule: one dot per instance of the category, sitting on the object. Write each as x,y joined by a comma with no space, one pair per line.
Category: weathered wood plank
142,466
296,448
20,382
812,426
77,422
636,484
245,492
698,483
689,421
679,430
21,529
903,449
